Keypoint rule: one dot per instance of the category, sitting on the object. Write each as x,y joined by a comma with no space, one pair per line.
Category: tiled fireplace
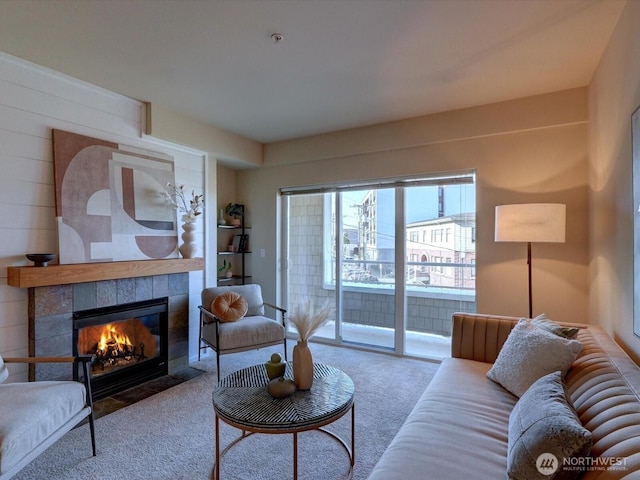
56,292
51,311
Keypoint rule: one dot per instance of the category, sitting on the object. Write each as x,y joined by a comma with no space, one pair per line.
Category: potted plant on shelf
236,211
225,269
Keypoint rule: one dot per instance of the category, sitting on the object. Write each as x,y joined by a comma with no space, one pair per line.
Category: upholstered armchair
232,319
34,415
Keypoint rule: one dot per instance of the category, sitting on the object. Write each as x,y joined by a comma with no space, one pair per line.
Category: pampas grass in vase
306,320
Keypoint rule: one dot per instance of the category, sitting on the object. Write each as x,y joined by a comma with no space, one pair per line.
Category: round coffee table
242,401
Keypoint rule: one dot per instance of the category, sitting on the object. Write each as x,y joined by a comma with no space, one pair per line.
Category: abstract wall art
110,201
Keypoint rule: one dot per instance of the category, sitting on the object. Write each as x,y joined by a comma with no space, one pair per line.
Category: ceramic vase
302,366
188,247
221,220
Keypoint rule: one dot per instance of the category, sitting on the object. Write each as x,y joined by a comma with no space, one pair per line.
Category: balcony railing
368,294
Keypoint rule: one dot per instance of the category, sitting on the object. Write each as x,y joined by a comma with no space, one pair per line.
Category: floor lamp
531,222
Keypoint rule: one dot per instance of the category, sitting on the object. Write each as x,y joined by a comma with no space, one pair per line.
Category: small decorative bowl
40,259
281,387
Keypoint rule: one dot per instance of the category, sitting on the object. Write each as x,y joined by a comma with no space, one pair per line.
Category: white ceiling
342,63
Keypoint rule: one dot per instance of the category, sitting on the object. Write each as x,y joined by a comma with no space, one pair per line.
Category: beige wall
225,147
527,150
614,94
226,193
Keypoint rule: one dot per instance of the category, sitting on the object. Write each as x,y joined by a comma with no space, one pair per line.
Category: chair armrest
280,309
207,316
80,358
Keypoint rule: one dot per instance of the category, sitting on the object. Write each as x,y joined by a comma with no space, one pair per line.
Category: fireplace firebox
128,342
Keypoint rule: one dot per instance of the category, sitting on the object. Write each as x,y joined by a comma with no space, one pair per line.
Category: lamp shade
531,222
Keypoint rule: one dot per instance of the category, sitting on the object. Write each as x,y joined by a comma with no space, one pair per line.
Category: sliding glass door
396,261
367,282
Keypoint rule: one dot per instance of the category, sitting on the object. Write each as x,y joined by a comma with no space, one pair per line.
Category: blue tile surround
51,310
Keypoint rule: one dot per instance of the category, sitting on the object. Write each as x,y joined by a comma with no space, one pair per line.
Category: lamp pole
530,222
530,290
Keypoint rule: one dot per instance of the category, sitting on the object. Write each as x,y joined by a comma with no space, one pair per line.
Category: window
348,243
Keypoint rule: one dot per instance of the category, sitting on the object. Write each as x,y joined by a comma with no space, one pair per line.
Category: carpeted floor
170,435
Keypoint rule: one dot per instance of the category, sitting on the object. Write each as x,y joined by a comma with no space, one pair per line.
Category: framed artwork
635,137
110,201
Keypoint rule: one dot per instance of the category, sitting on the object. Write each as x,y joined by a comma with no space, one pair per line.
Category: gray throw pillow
544,430
530,353
543,322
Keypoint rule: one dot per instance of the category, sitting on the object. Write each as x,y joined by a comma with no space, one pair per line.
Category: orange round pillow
229,307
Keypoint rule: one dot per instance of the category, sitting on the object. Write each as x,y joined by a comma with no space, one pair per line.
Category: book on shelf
241,243
244,243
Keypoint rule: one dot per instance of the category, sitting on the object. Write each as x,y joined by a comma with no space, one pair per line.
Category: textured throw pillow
229,307
530,353
4,373
544,430
543,322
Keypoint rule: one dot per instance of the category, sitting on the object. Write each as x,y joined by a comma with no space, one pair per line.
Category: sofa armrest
479,337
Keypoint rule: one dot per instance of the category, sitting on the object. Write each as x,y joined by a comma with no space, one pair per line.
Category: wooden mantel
26,277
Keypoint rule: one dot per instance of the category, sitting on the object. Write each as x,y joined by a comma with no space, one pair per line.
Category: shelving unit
227,236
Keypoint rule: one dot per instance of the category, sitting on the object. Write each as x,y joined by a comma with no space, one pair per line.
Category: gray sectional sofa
460,427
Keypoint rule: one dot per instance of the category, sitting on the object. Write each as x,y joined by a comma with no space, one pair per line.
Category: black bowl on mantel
40,259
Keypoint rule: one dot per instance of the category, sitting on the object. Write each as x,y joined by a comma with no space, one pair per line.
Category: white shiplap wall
33,101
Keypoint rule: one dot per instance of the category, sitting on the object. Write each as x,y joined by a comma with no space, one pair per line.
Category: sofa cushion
229,307
530,353
251,331
544,430
451,434
543,322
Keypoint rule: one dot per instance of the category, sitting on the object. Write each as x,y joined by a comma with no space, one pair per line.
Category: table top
241,399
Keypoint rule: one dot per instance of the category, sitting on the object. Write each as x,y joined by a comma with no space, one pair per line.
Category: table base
245,434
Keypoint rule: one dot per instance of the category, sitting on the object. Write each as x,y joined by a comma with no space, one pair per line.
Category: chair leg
87,384
200,336
92,428
285,350
218,363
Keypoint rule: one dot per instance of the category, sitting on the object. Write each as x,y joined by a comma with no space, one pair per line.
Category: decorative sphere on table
275,366
281,387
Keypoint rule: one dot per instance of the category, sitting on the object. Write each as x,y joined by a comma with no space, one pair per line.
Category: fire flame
110,336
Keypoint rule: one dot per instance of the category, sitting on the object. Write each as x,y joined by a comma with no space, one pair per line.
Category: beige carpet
171,434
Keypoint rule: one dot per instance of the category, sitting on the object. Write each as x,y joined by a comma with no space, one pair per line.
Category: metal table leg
295,455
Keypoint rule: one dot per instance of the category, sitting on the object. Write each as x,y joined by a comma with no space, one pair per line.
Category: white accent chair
253,331
34,415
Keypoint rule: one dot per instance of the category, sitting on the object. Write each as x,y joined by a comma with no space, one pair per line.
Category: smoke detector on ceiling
277,37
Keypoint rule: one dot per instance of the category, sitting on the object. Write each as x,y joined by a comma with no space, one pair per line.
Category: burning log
115,344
